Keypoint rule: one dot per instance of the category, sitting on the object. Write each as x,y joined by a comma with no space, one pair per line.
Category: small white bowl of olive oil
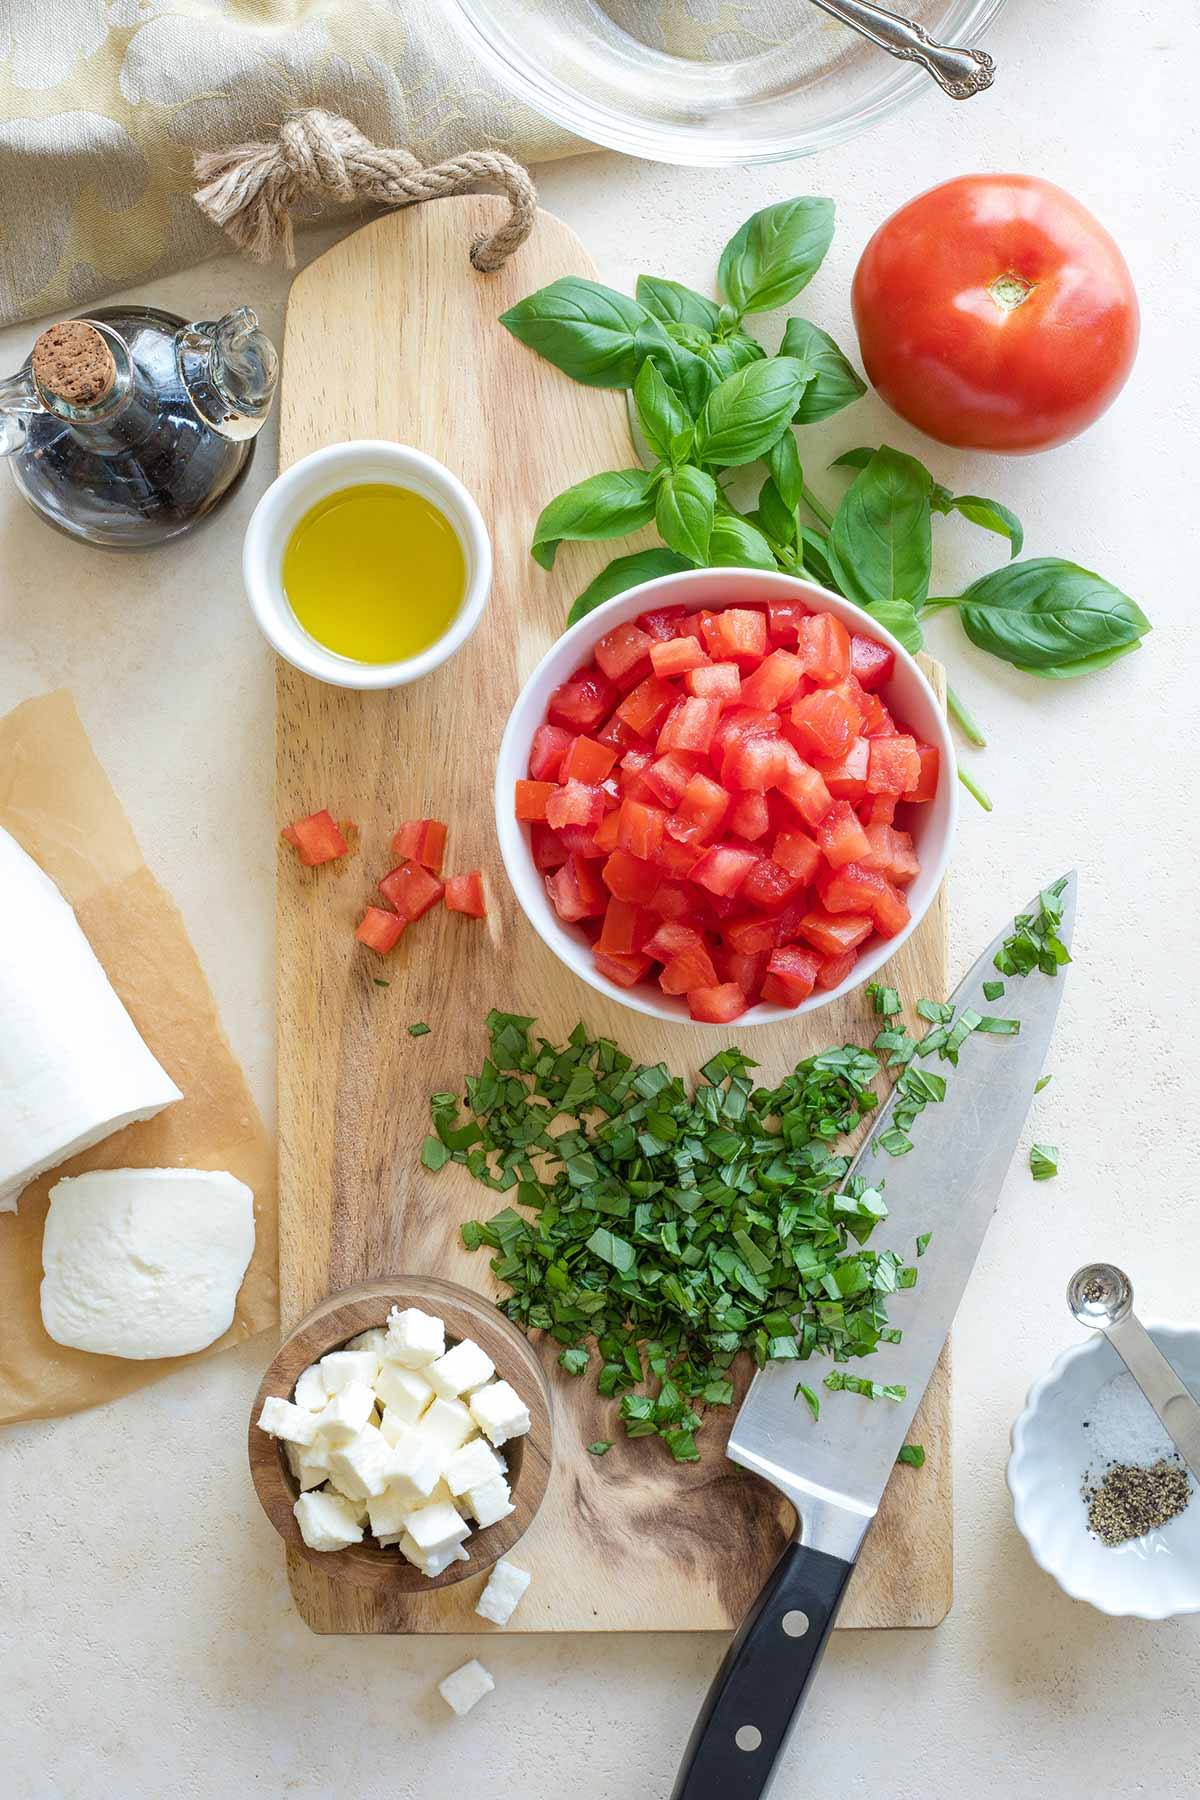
367,564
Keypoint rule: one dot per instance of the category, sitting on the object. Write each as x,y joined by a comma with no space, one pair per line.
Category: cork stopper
72,361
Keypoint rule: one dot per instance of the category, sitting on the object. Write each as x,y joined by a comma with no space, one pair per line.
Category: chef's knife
834,1470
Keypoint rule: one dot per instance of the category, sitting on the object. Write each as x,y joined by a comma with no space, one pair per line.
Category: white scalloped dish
1153,1577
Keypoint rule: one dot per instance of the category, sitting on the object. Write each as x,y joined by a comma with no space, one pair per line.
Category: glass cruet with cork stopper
127,427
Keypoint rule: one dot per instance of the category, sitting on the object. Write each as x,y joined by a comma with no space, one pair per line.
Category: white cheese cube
326,1521
472,1465
403,1391
414,1468
359,1469
464,1367
394,1430
441,1495
389,1512
307,1465
436,1528
358,1508
490,1503
447,1423
499,1599
341,1368
465,1687
414,1338
310,1389
430,1565
344,1416
280,1419
500,1412
374,1340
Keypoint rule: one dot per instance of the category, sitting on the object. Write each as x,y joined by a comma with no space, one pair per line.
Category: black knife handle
763,1680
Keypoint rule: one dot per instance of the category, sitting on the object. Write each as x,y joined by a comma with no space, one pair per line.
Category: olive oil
374,573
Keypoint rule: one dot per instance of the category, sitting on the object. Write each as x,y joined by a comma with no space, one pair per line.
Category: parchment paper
56,801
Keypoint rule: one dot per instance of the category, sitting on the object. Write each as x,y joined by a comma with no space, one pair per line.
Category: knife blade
834,1469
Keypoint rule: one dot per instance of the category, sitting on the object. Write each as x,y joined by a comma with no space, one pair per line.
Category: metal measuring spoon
1101,1297
959,73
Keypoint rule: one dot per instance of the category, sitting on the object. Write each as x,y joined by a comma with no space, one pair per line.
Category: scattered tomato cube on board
411,889
464,894
380,930
317,839
421,841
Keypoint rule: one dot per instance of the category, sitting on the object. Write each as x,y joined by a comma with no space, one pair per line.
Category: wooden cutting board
393,334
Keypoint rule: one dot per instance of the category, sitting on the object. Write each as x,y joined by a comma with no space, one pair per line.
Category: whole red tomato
994,312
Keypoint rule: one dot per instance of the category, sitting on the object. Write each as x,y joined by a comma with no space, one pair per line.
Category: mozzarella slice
144,1262
72,1066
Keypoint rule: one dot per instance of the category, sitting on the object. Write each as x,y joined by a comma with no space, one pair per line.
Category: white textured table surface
150,1646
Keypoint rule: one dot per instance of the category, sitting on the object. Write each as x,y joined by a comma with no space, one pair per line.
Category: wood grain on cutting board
393,334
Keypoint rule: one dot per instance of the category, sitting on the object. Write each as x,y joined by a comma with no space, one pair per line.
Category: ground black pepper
1130,1501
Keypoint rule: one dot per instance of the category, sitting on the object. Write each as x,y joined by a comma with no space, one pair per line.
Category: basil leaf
783,463
687,499
814,549
836,383
685,373
879,542
856,459
603,506
661,413
588,331
601,1447
735,544
989,515
1051,618
574,1360
913,1455
775,254
899,617
776,519
625,572
675,304
749,412
725,356
1043,1161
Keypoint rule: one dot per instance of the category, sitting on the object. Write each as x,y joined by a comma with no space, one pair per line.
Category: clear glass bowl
674,81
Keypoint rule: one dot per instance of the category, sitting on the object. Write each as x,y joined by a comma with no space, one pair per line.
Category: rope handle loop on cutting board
251,190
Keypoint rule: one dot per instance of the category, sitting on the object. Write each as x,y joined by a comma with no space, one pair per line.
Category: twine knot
252,190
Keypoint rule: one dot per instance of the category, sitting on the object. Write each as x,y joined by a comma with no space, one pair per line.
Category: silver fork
959,73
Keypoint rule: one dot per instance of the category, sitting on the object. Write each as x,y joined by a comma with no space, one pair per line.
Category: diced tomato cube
623,651
840,835
871,661
751,935
422,841
668,776
575,804
768,885
633,784
677,656
411,889
700,812
795,851
877,721
671,938
549,851
628,878
645,709
587,761
580,840
532,798
617,733
724,868
834,969
673,900
607,832
826,722
717,1005
834,933
640,829
825,648
750,817
846,776
755,764
737,635
626,971
380,930
576,891
929,758
691,968
785,618
877,809
664,623
716,681
745,971
791,976
804,788
852,888
678,860
690,725
583,702
625,926
776,680
464,894
893,766
891,853
550,745
317,839
890,911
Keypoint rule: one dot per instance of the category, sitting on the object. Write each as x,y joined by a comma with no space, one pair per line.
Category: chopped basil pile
674,1227
946,1036
1035,943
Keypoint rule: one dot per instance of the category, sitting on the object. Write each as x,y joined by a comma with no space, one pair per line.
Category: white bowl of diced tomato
727,794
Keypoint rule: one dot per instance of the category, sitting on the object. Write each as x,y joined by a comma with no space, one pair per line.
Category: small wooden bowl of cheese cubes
401,1436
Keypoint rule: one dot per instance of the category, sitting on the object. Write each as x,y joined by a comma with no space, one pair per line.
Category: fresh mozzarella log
72,1066
145,1262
